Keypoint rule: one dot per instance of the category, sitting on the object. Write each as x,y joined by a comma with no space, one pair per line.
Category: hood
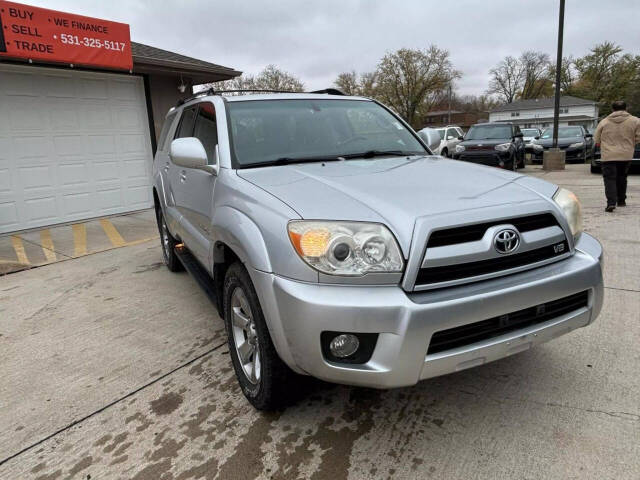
619,116
393,191
562,141
488,143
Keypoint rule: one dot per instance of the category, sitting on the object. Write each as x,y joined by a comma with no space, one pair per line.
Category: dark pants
615,181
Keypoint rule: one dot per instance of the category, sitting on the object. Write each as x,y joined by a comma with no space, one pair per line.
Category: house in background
440,118
539,112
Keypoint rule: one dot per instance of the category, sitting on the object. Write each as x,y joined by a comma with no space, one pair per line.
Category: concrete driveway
113,367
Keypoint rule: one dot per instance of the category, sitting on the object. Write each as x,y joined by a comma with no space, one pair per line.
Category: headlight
459,148
570,205
576,145
346,248
503,147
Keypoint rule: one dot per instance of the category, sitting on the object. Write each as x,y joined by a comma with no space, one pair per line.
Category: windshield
530,132
264,131
486,132
563,132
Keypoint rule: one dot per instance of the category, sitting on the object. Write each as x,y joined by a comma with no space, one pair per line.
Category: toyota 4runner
334,244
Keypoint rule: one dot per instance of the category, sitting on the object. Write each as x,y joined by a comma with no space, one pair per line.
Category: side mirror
537,138
461,138
430,137
189,153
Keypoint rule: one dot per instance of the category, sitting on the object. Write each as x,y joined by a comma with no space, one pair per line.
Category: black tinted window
206,129
486,132
186,123
162,140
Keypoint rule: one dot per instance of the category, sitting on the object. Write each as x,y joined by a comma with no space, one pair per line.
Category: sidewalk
33,248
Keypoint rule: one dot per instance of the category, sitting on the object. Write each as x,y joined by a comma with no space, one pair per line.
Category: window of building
515,114
564,110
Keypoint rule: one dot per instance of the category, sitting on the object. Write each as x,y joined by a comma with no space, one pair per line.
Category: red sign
42,34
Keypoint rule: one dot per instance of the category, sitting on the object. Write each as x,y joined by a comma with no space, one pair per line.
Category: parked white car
449,138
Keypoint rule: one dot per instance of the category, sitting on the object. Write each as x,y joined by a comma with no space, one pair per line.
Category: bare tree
348,83
536,69
271,78
410,81
507,79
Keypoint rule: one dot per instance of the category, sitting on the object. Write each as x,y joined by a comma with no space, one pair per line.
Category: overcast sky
316,40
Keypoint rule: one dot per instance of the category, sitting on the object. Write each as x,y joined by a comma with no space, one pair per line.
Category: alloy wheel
245,337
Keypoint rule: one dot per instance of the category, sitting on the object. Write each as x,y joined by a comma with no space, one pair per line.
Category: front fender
243,236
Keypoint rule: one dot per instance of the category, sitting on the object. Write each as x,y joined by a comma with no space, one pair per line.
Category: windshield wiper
289,161
380,153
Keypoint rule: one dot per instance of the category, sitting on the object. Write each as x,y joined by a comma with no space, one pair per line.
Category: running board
199,274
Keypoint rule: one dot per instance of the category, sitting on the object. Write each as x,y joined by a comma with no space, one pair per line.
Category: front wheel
263,377
168,244
444,152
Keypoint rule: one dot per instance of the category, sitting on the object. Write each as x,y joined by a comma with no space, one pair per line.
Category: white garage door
73,145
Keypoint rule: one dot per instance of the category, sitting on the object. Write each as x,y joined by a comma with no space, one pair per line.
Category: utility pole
449,112
555,158
556,110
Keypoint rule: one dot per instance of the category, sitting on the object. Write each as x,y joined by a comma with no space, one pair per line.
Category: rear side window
162,143
206,129
186,122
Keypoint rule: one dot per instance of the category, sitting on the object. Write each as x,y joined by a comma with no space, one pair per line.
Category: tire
264,378
168,243
444,152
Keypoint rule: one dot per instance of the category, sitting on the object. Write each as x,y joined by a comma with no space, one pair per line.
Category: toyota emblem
506,241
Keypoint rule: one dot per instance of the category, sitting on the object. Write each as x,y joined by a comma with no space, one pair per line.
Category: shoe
610,208
622,204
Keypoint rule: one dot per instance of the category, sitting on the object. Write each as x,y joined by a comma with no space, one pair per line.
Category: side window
451,134
185,129
206,129
163,144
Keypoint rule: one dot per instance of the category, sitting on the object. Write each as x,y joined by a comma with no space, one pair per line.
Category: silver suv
334,244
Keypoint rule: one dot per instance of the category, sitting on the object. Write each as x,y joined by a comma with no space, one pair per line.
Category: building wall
164,94
585,115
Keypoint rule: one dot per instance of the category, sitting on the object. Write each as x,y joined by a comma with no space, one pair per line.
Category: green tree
605,74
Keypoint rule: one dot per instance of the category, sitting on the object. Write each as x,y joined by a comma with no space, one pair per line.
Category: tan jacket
617,135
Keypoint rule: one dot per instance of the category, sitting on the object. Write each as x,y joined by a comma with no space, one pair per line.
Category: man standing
617,135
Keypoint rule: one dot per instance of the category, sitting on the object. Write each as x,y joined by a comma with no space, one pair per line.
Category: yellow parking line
115,238
47,245
79,239
18,246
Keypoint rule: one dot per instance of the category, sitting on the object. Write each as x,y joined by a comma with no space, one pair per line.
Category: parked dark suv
495,144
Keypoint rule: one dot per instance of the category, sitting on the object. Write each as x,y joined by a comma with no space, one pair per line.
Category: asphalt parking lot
113,367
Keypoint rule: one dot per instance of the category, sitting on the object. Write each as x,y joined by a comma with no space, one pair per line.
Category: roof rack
212,91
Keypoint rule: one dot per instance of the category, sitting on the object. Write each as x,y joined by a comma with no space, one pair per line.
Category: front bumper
297,314
571,154
491,158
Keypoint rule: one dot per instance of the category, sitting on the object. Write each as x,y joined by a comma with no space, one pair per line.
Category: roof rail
329,91
212,91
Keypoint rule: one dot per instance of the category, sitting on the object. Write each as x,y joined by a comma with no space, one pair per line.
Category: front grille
494,327
472,233
448,273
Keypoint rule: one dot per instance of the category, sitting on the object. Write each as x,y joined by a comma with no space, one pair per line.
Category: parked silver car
335,245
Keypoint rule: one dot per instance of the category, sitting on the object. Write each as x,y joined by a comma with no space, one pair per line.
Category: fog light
344,345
